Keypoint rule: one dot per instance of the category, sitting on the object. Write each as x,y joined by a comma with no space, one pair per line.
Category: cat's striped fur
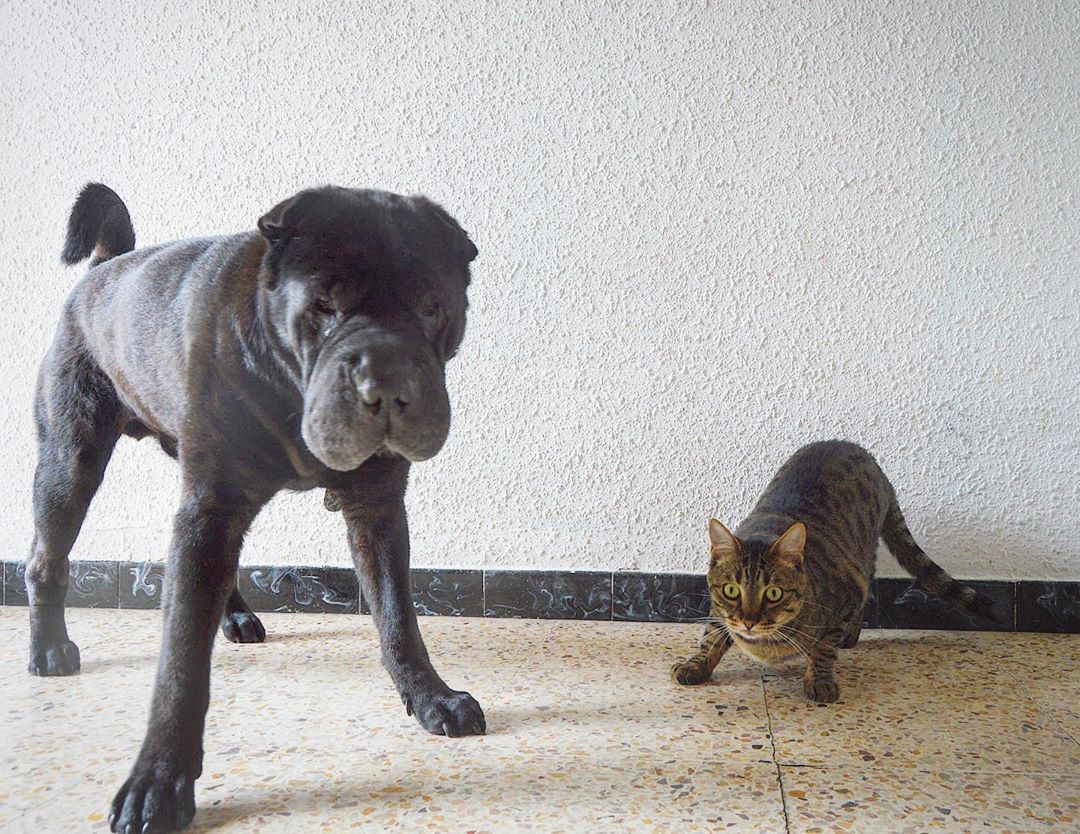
810,542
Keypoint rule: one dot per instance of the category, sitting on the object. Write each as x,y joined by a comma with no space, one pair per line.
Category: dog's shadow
478,782
491,783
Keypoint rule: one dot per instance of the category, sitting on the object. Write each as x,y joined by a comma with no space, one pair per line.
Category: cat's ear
724,544
789,547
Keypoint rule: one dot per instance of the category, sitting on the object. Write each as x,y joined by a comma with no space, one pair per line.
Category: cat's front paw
821,688
690,672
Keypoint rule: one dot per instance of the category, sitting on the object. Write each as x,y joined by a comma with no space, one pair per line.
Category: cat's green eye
773,594
731,590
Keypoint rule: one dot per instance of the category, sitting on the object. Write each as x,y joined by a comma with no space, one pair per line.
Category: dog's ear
461,248
275,224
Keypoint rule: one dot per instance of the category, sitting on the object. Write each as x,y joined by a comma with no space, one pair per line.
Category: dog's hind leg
77,414
239,624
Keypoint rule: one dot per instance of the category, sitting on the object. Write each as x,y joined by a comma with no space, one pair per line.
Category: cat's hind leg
699,668
819,682
854,628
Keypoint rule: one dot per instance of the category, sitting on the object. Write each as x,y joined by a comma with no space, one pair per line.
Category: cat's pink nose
749,624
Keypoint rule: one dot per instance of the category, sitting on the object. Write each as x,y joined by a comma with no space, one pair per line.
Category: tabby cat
795,577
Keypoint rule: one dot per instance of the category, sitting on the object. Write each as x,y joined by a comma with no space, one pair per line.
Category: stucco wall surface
709,233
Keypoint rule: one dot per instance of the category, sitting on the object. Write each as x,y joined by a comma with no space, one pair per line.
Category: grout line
1061,727
1046,714
776,761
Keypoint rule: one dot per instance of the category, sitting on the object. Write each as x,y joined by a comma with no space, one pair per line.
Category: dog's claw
58,660
452,714
154,800
242,627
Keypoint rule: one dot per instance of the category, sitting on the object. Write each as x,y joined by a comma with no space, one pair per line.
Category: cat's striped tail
928,575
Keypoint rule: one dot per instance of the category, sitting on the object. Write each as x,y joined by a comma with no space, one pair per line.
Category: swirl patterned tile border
1025,605
547,595
90,584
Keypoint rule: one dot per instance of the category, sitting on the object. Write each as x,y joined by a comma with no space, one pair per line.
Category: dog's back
134,305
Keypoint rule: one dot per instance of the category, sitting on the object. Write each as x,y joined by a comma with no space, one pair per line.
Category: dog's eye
429,307
324,306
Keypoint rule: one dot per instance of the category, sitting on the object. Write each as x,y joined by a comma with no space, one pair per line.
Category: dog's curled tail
929,575
99,225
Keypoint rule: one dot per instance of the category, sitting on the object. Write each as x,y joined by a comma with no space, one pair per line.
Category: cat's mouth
760,637
756,636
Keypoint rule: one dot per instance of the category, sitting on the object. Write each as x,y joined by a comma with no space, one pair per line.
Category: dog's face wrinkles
369,292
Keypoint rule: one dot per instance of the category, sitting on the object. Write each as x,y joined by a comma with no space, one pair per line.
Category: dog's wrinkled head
367,295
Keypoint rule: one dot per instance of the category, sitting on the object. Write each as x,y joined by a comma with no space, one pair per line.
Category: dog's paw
155,798
822,689
453,714
62,659
242,627
690,672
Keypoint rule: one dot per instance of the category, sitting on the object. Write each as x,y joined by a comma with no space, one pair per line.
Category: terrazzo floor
935,731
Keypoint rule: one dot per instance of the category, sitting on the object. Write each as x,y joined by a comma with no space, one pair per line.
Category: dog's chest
302,484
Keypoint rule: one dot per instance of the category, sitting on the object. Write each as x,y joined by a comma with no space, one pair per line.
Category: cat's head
756,587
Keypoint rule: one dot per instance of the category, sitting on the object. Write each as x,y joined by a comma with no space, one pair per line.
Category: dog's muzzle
374,398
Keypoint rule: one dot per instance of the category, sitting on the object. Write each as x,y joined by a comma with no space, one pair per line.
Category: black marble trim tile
93,585
548,595
141,584
90,584
902,605
1027,605
323,590
659,597
15,583
1048,606
448,593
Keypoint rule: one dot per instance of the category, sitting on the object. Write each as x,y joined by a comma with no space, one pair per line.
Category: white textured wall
709,232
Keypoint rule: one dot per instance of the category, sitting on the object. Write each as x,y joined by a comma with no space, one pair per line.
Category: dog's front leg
159,795
379,540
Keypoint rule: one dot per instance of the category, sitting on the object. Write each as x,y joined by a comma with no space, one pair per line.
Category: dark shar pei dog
310,353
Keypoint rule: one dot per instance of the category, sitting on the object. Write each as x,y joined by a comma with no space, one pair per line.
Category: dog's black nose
370,393
382,388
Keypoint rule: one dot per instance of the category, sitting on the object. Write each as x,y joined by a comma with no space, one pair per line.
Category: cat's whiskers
792,623
787,638
815,605
802,634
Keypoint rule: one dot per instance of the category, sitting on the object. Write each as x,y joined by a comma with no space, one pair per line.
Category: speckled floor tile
907,801
586,732
1046,668
440,793
926,700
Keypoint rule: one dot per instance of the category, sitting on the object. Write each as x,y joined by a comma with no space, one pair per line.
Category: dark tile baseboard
1023,605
